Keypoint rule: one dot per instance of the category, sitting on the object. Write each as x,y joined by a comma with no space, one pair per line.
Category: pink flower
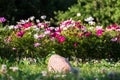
81,34
43,17
55,34
88,34
14,49
18,27
41,36
36,44
2,19
20,33
42,25
75,44
99,32
27,25
61,39
114,39
83,28
66,23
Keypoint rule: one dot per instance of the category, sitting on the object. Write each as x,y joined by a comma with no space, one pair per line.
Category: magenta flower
118,28
88,34
99,32
75,44
2,19
112,27
20,33
36,44
55,34
61,39
27,25
77,24
58,29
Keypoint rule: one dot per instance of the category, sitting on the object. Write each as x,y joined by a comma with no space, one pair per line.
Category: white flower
57,76
4,68
32,18
36,36
78,14
37,20
14,69
27,28
42,26
48,22
98,27
36,29
91,28
44,73
89,19
47,32
11,27
65,28
34,26
52,28
91,22
22,22
26,21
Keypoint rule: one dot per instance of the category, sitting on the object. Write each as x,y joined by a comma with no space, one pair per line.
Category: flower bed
37,38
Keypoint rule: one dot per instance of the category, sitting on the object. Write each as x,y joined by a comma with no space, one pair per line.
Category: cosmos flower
61,39
88,34
75,44
99,32
43,17
20,34
27,25
2,19
36,44
14,69
14,49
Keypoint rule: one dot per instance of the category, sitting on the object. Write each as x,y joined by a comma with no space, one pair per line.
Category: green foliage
90,70
105,12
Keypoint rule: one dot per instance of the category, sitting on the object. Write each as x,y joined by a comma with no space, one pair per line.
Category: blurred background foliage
22,9
105,12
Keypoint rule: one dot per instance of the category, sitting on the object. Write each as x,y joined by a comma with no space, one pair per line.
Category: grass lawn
91,70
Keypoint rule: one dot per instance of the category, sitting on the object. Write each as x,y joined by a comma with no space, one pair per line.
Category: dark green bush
15,10
105,12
